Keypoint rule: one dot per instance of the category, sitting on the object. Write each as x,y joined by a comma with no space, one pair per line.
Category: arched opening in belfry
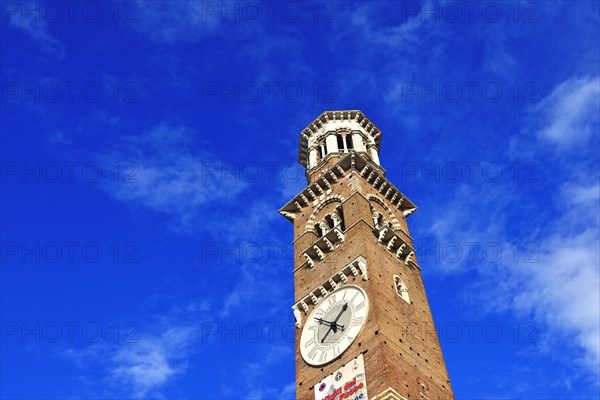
344,142
322,151
340,142
333,220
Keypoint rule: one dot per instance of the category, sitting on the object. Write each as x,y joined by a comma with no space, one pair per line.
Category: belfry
364,326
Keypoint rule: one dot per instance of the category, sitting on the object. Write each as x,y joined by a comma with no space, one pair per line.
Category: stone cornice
321,186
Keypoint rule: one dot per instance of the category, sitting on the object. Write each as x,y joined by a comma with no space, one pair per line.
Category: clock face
333,325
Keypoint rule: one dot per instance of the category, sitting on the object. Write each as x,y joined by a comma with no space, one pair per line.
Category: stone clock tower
360,305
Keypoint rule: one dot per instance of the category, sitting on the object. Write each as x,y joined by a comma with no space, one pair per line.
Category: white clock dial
333,325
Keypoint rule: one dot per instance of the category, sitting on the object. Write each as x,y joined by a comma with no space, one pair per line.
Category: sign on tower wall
348,382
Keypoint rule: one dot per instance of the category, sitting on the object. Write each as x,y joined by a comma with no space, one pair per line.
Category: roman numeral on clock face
336,351
322,356
310,342
312,353
360,305
331,300
356,322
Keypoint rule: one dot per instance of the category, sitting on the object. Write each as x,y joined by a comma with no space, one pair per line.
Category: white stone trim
323,245
376,199
334,198
397,245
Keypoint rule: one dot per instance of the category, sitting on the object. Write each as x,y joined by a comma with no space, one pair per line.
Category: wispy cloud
559,287
252,230
143,364
170,22
561,290
564,288
28,20
570,114
161,171
153,362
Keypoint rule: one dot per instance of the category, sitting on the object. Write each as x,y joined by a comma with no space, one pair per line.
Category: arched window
332,220
349,141
340,143
344,142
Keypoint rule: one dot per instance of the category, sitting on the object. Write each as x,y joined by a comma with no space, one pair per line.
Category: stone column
312,157
357,140
373,153
331,142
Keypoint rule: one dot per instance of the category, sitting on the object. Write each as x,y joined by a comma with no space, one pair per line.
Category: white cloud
141,365
152,362
581,195
558,287
400,35
571,113
161,171
561,291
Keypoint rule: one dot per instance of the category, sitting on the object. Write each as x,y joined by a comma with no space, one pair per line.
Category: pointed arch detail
395,223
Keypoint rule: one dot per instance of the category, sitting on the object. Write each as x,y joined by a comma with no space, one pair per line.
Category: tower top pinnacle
351,122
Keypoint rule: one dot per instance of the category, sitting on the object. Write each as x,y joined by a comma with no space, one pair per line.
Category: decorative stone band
356,267
394,243
376,215
326,243
389,394
375,178
351,162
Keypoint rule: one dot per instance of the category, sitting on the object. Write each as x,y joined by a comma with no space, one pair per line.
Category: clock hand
340,314
334,324
335,327
322,321
326,333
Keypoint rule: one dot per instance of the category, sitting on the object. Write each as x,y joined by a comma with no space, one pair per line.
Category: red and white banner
347,383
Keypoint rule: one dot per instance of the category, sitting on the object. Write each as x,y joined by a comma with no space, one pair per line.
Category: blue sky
147,146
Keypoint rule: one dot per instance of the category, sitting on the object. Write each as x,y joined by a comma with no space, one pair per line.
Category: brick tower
364,326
